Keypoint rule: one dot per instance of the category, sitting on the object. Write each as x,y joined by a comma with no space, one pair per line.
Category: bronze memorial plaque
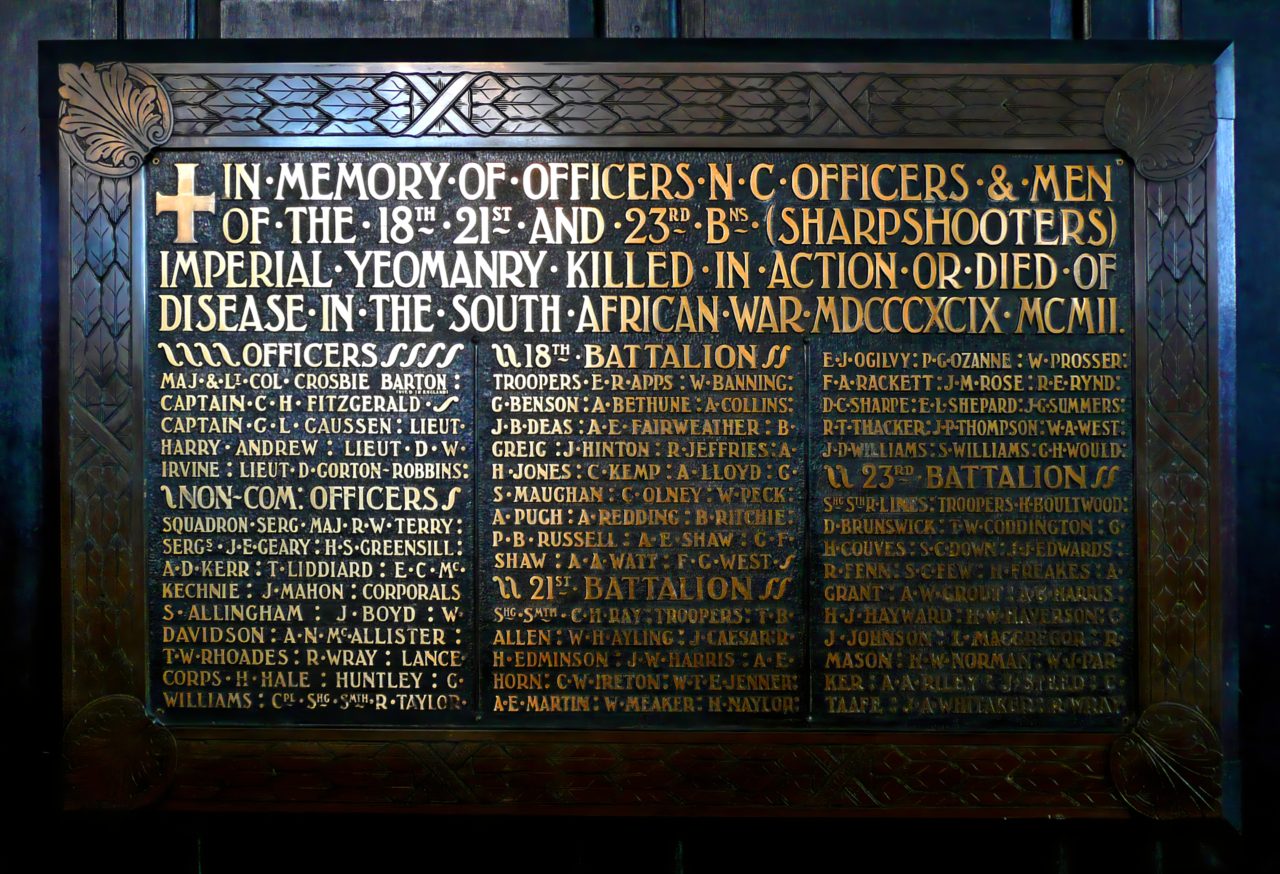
702,435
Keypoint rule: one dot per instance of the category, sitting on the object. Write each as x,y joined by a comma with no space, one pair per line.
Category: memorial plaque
658,435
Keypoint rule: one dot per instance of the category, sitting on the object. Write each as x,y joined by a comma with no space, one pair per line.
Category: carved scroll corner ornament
1170,765
112,116
117,756
1163,117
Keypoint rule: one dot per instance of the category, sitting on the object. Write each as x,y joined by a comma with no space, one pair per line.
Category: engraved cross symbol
186,203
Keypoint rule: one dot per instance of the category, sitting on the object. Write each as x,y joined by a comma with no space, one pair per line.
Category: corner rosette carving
112,116
1170,765
117,756
1163,117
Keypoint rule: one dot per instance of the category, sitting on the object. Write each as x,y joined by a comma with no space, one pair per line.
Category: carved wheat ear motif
112,116
1163,117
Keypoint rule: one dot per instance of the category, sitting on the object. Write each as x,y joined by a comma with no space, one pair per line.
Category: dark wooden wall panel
1253,23
29,594
155,19
1254,26
637,18
869,19
393,18
1120,19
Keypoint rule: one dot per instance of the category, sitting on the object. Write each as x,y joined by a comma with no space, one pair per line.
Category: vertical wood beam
1165,19
586,18
154,19
1082,20
207,20
635,18
30,603
326,19
1071,19
691,18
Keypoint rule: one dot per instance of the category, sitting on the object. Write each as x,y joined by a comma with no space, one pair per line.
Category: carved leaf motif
527,126
579,118
748,126
630,82
1170,765
640,126
349,105
583,89
744,82
85,300
395,89
486,89
293,89
395,118
1124,118
641,104
697,119
116,755
765,104
100,245
112,115
188,89
527,103
1200,249
115,197
192,119
1191,196
1177,462
528,81
85,192
1177,245
350,126
698,89
349,81
294,119
938,99
752,105
237,104
1163,116
115,300
100,354
486,118
123,243
124,355
229,82
336,101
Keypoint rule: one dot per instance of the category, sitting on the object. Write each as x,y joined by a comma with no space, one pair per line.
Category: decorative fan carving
1163,116
117,756
112,116
1170,765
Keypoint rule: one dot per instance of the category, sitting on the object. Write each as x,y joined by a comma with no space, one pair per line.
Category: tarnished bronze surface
729,470
701,463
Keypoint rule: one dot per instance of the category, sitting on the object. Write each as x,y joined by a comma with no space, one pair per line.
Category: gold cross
185,203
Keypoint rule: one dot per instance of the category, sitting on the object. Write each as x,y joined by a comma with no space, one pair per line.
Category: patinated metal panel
770,436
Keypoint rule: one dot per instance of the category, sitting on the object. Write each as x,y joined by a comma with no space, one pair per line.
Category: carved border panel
101,432
693,775
1179,657
637,103
111,117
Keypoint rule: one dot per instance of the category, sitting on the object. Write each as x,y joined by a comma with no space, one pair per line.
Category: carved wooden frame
112,113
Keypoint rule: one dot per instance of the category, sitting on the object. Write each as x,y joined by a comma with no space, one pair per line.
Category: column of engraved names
309,488
641,530
975,534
